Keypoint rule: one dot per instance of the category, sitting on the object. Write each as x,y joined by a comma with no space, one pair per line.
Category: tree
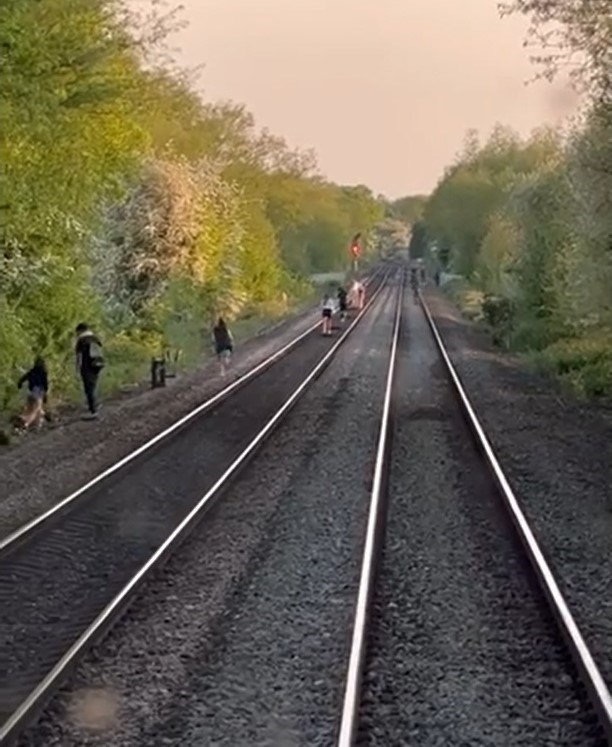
409,209
127,200
391,235
574,35
418,240
458,213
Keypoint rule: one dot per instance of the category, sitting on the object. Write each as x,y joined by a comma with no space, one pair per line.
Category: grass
582,363
128,358
129,365
467,299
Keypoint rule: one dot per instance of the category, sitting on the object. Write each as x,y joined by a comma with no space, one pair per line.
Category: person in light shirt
327,311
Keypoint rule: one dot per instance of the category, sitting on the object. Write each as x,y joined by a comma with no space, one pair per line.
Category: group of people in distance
89,362
89,359
354,298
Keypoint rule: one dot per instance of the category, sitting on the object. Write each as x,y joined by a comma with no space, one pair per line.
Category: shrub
585,363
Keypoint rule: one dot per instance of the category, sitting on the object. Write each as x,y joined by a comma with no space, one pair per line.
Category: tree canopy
527,222
130,202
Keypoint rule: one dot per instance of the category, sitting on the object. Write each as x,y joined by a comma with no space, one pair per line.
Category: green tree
571,35
409,209
418,240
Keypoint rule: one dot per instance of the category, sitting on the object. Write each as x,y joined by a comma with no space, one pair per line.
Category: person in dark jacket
38,386
342,302
89,363
224,344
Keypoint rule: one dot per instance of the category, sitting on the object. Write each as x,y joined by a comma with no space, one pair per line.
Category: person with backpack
89,363
38,386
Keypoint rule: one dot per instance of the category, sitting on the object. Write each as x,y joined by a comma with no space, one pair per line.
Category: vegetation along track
66,579
465,637
10,532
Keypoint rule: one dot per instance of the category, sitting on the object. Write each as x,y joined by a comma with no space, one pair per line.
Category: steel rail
29,526
592,678
47,686
350,710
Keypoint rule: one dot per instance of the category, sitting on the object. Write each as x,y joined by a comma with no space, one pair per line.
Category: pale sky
383,90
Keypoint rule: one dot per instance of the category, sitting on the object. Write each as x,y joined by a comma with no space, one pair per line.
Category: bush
594,380
498,314
497,311
531,334
585,364
468,299
575,353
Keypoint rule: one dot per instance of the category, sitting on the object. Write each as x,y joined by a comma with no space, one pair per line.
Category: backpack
95,354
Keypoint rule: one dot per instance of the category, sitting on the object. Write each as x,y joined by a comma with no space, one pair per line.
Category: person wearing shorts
224,344
326,312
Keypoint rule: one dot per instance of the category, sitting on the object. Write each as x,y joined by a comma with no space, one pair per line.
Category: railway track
11,534
461,634
68,575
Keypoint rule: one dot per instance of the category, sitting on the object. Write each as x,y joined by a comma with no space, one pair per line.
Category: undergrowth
582,362
128,354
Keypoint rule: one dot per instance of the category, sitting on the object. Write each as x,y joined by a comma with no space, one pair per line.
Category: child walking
224,344
38,386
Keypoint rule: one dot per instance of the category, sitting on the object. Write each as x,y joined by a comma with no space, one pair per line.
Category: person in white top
358,294
327,311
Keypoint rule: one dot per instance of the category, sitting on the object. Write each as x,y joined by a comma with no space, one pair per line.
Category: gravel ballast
45,467
89,553
242,638
462,648
557,454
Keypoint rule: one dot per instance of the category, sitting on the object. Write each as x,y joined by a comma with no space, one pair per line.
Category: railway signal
355,249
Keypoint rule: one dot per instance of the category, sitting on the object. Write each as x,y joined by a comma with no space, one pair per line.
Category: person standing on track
342,302
327,311
359,294
224,344
89,363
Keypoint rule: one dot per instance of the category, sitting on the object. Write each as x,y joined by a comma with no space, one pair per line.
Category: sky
383,90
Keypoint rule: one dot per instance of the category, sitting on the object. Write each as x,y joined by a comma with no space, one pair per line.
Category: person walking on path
89,363
224,344
38,386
